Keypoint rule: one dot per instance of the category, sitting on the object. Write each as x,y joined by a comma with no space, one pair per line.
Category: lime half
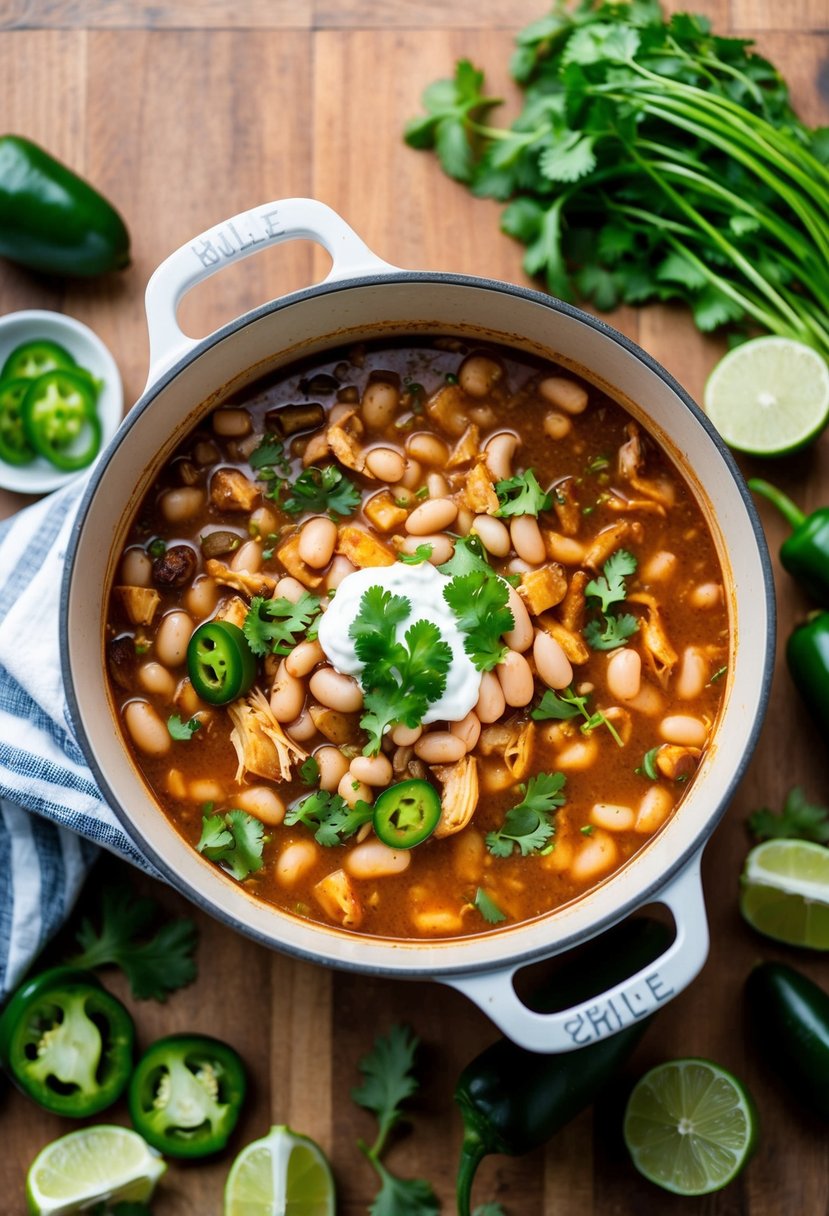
89,1166
785,892
282,1174
769,396
690,1126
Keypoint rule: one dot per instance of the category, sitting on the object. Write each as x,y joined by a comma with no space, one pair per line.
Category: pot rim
427,966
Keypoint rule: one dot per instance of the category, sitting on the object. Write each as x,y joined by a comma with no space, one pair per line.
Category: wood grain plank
168,14
795,15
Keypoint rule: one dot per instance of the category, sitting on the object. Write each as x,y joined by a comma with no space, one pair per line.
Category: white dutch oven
364,297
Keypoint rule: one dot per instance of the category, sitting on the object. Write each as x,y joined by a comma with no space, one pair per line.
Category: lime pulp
785,892
91,1165
283,1174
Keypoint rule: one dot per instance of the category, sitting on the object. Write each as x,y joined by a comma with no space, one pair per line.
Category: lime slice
690,1126
94,1164
769,396
785,892
282,1174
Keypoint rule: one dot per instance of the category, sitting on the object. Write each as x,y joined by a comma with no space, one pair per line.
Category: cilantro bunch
612,628
653,160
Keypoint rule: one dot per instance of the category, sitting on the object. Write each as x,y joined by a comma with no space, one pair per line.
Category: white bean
551,663
428,448
336,691
155,678
137,568
439,747
181,504
498,455
353,791
431,516
317,540
232,423
303,728
596,856
247,557
263,802
653,809
289,588
705,595
413,475
333,766
385,464
693,673
373,859
612,816
564,394
684,729
491,703
201,597
520,637
147,730
203,789
468,855
478,375
372,770
405,736
468,730
624,674
339,569
287,695
527,540
379,404
437,485
556,425
262,522
173,635
295,861
463,524
516,679
660,567
579,755
442,546
493,534
303,659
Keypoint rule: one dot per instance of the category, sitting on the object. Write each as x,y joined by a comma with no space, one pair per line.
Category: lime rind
104,1162
690,1126
769,396
282,1172
785,892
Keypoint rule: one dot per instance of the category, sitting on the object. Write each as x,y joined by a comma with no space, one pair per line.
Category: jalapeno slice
14,446
67,1043
406,814
60,420
186,1094
32,359
220,662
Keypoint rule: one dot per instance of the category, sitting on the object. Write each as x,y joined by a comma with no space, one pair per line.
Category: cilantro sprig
421,554
469,555
180,730
521,495
156,961
400,679
388,1081
612,628
798,819
488,908
527,825
479,602
329,817
568,704
322,490
272,626
235,840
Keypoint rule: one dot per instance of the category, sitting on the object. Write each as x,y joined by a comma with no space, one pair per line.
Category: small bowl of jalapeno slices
61,399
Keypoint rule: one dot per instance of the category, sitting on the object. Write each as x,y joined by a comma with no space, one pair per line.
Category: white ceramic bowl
89,351
362,298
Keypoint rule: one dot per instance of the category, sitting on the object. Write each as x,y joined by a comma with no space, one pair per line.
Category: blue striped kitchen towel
52,815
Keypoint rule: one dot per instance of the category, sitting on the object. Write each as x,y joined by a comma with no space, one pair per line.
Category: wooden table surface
185,113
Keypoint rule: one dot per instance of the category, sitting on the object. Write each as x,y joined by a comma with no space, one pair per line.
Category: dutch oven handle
601,1016
291,219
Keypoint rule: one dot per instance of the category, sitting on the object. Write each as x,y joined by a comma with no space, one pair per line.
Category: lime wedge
91,1165
690,1126
785,892
769,396
282,1174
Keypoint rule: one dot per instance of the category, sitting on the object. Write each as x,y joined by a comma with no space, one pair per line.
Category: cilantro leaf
388,1077
479,602
271,626
329,816
322,490
182,730
270,454
421,554
612,632
403,1196
610,587
309,771
469,555
527,825
450,105
567,704
798,819
521,495
235,840
156,963
488,908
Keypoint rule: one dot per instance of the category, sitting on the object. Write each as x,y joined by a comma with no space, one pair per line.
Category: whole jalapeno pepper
66,1042
805,554
186,1094
51,219
807,657
512,1100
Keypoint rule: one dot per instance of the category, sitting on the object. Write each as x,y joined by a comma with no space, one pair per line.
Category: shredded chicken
362,549
573,607
570,642
630,463
262,747
518,752
566,507
447,407
543,588
230,490
466,449
677,763
139,603
459,796
659,653
606,542
479,491
343,440
234,611
288,554
240,580
337,897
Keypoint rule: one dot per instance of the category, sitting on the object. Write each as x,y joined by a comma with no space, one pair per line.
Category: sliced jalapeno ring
60,420
406,814
14,446
220,662
32,359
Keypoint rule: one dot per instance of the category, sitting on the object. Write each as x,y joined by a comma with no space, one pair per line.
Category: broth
521,481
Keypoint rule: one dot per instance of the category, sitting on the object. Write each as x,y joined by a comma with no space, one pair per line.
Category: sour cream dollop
422,586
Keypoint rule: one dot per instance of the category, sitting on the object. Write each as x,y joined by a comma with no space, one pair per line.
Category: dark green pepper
60,419
186,1094
31,359
51,219
407,813
805,554
789,1015
512,1100
14,446
67,1043
807,656
220,662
